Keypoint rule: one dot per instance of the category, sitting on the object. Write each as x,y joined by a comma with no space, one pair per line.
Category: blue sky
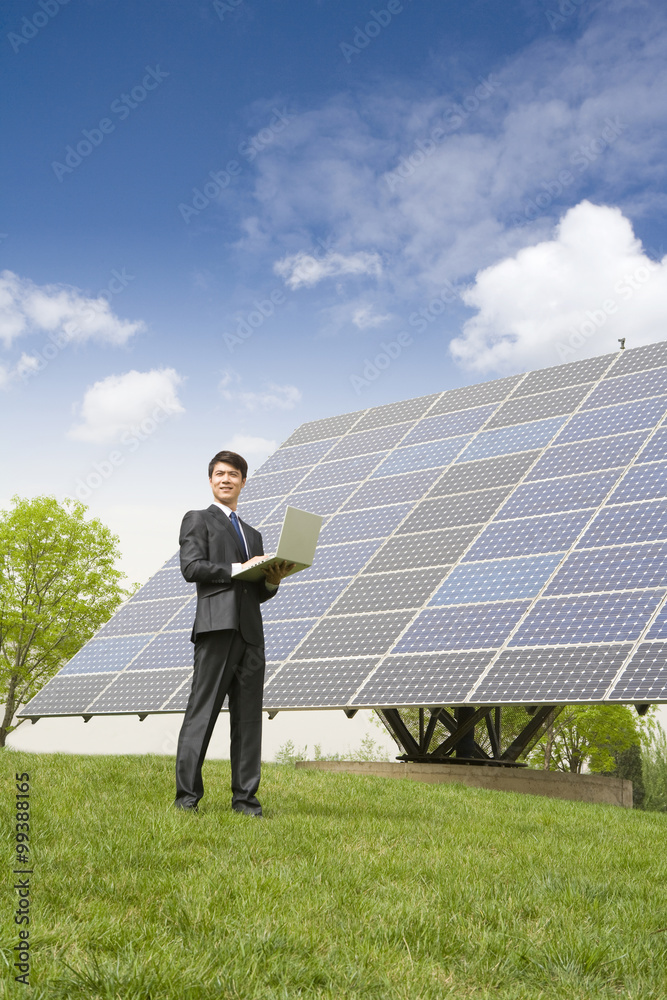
219,216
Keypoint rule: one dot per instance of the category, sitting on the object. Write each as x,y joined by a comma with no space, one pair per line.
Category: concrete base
554,784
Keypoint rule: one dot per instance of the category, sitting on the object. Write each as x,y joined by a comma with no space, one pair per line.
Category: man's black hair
230,458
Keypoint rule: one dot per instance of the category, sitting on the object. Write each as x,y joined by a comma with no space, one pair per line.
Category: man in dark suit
228,638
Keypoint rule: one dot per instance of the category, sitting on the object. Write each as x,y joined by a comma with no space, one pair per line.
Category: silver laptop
297,542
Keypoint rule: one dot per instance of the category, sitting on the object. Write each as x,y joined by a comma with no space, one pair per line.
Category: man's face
226,483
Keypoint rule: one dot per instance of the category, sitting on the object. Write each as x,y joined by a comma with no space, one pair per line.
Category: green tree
587,735
57,586
654,761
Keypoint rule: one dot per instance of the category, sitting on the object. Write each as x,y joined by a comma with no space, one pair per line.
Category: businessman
228,638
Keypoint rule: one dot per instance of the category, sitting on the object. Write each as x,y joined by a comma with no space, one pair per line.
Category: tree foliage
589,736
654,761
58,585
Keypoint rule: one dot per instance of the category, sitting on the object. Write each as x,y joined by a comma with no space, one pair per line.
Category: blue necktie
237,528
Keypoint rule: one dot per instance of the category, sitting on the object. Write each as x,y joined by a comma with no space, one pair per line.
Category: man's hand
277,572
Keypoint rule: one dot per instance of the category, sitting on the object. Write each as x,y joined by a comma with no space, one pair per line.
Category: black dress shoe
187,809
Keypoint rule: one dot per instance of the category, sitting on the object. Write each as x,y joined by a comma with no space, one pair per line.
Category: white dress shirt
237,566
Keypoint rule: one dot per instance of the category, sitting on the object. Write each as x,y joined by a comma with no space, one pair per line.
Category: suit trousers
224,665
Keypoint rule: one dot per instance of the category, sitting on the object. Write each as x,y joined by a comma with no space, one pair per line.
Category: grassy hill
353,887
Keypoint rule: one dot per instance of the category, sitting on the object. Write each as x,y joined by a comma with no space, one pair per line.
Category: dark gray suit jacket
209,546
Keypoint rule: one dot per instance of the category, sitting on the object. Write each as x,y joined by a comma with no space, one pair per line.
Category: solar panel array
503,543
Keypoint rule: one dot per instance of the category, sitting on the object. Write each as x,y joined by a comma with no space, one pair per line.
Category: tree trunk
10,708
548,747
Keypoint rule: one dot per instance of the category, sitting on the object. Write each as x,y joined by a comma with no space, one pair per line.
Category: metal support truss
460,746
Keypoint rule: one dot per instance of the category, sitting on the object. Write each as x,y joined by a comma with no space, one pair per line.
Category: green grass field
353,887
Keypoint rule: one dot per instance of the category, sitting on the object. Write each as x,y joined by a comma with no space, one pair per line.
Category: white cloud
120,403
59,310
587,106
569,297
365,318
255,450
302,270
274,397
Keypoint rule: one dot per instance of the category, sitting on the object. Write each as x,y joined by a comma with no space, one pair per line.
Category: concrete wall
554,784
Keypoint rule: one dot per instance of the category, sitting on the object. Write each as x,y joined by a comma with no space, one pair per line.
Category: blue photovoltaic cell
551,675
341,560
519,410
449,425
642,482
180,694
572,493
257,511
658,629
169,650
645,677
501,579
613,420
449,512
185,617
394,413
276,484
138,691
520,437
282,637
300,454
365,442
320,430
549,533
473,626
587,456
393,489
315,501
421,456
143,616
67,695
360,524
105,654
656,449
591,618
303,600
165,583
641,522
349,470
623,568
309,683
423,679
639,359
618,390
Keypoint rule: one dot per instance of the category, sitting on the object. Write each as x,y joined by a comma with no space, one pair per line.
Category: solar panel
500,543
